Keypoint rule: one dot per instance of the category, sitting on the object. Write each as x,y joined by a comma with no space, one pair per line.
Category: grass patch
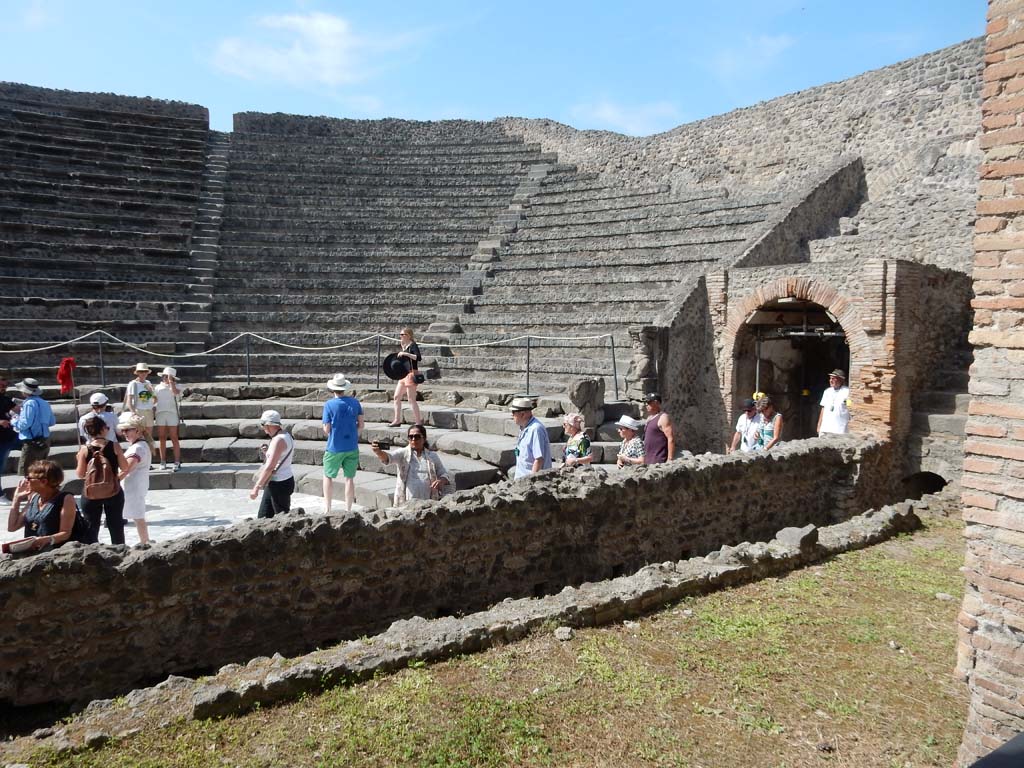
755,676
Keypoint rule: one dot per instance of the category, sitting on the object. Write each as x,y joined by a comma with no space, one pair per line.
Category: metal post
757,362
103,369
527,365
378,361
615,367
248,361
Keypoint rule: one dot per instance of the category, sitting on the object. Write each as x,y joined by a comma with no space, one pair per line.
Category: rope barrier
214,350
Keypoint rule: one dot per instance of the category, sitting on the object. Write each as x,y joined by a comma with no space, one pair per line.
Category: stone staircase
936,441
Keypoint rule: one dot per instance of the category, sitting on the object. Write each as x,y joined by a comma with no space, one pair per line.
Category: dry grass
844,664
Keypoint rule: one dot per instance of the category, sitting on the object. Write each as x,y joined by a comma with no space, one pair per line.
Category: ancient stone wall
991,622
103,101
99,620
914,124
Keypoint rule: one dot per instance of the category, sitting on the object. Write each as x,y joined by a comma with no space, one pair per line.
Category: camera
382,445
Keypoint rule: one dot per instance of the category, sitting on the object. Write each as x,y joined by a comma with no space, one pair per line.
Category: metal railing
246,338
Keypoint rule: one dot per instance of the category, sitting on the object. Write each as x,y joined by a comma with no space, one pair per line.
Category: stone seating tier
547,203
342,202
316,298
160,162
355,166
693,226
72,121
119,264
31,283
20,231
74,193
614,211
626,245
111,308
402,286
98,143
113,220
394,236
298,258
440,223
134,179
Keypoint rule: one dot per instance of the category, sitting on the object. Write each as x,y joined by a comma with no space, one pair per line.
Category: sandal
395,424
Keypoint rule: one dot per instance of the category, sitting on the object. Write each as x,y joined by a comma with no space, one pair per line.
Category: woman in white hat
140,399
632,449
167,417
275,478
135,479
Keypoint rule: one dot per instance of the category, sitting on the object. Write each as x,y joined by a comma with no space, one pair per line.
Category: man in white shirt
533,449
834,417
98,404
747,427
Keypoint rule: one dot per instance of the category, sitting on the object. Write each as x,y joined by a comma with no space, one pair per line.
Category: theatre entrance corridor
786,349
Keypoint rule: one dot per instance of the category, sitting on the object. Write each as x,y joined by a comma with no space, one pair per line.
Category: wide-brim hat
271,417
28,386
142,367
168,371
98,398
395,367
129,420
629,423
839,373
521,404
339,383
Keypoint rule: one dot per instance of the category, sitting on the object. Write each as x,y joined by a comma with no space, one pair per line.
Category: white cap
98,398
271,417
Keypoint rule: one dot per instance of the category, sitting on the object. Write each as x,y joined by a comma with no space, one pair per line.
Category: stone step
941,402
945,423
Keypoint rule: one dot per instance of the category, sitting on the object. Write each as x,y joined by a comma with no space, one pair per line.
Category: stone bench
56,217
16,135
76,190
43,259
98,121
86,288
170,163
113,309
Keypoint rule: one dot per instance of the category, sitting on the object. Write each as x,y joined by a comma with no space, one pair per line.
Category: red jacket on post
64,375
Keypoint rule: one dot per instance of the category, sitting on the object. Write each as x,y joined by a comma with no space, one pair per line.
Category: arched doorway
786,349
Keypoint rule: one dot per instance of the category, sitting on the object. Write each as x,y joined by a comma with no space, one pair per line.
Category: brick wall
99,620
991,623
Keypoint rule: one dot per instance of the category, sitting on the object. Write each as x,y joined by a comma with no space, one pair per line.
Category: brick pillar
990,652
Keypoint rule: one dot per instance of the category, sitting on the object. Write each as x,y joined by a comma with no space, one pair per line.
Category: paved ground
175,513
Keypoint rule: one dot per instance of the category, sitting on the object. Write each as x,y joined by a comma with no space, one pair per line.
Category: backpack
100,477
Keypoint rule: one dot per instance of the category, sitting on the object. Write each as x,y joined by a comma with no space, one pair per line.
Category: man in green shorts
343,419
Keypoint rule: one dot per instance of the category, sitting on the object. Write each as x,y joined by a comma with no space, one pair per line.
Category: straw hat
128,420
521,404
168,371
142,368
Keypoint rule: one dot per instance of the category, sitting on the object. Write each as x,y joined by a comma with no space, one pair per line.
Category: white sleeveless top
284,471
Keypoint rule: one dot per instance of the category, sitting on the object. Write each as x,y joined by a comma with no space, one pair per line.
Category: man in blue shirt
343,420
33,421
533,449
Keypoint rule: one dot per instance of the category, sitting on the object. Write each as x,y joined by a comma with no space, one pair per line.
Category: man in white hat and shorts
533,448
98,406
343,420
140,399
834,417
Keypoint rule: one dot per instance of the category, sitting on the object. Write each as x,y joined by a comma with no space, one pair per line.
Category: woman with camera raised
421,474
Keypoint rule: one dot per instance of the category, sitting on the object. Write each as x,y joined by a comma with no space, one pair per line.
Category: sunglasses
415,436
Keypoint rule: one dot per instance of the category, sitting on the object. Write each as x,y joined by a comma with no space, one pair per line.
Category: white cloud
313,49
756,54
635,120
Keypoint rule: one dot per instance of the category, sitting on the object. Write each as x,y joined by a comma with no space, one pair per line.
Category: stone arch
866,354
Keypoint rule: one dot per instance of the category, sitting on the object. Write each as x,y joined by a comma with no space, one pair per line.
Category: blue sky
636,68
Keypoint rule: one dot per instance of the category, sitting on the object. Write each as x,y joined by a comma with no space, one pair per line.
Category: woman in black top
46,512
407,386
113,505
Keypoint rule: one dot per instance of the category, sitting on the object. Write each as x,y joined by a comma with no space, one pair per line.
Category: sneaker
177,466
163,465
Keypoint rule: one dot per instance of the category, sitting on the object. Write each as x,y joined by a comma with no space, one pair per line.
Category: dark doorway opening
786,349
921,483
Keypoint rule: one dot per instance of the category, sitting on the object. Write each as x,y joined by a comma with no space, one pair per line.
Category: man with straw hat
33,421
343,420
533,448
140,400
834,417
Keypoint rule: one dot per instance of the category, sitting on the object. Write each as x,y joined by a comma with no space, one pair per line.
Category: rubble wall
100,620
